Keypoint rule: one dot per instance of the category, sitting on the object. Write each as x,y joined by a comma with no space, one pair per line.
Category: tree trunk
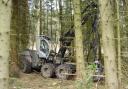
78,41
23,23
47,22
41,18
14,71
51,7
60,16
5,17
118,42
108,44
124,41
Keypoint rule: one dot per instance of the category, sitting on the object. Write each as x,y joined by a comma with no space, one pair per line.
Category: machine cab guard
43,46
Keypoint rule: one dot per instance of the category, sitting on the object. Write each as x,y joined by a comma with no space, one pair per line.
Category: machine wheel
48,70
63,71
26,66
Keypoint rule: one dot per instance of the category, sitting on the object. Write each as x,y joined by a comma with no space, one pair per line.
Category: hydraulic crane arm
67,38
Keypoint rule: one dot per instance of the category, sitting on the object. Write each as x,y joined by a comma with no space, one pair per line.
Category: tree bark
108,44
23,31
5,17
118,42
14,70
41,17
60,16
78,41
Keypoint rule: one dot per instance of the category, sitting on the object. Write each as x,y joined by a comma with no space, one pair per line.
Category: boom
68,36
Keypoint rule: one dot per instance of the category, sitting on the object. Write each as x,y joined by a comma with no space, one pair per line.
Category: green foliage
87,81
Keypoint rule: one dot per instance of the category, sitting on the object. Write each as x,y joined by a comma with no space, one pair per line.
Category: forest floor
36,81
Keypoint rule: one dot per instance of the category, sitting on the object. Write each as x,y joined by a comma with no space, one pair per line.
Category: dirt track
36,81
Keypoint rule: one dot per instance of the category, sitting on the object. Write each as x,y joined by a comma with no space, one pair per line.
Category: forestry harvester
47,60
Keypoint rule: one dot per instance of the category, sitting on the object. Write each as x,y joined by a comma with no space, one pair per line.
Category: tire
61,69
26,66
48,70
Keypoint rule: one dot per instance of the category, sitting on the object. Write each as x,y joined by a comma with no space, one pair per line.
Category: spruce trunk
5,17
108,44
79,41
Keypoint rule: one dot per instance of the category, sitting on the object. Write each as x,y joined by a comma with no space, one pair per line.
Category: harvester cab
43,46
